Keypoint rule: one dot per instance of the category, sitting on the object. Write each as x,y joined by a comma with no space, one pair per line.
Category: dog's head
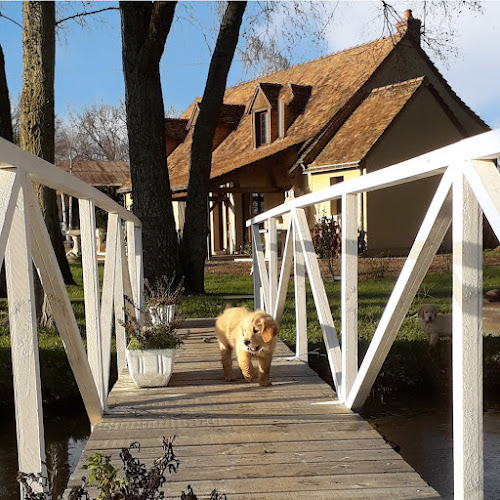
427,313
258,329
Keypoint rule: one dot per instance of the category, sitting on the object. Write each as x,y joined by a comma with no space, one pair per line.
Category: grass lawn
408,363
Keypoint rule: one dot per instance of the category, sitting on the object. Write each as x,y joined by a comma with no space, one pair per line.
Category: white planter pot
162,314
150,367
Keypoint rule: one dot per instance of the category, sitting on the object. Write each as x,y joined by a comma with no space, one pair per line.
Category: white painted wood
231,230
273,262
139,267
107,296
349,292
481,146
467,343
257,285
43,172
484,180
24,343
132,263
427,242
9,189
286,266
53,284
258,252
299,278
320,297
92,295
119,307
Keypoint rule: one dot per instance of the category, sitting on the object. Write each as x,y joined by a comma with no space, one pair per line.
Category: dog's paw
228,378
265,383
248,378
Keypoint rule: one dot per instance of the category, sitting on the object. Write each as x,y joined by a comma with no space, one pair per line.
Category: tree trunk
37,114
6,133
194,243
145,27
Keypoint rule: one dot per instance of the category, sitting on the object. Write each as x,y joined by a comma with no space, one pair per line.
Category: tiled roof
98,173
366,125
333,79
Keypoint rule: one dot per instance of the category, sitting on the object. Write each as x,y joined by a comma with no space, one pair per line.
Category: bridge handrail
469,187
24,241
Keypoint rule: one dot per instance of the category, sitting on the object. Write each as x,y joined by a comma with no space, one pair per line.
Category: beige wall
394,215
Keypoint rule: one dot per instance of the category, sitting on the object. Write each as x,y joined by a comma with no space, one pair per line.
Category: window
261,128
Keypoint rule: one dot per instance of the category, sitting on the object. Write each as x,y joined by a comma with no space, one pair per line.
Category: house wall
394,215
324,180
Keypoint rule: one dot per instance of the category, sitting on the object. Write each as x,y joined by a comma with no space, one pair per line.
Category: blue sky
89,68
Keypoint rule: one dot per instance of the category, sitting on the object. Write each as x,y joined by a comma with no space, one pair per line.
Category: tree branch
11,20
162,16
81,14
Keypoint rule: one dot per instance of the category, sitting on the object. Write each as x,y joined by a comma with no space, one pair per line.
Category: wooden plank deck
292,440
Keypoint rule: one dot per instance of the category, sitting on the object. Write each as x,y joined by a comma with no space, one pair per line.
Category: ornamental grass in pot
161,298
151,349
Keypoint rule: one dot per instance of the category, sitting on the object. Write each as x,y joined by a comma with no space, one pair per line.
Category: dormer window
261,128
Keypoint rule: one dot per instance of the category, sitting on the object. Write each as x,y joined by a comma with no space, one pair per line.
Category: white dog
434,325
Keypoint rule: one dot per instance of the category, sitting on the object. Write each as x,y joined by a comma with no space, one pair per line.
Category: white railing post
92,294
299,278
286,266
272,241
467,344
108,287
349,292
119,306
134,257
24,342
261,280
320,297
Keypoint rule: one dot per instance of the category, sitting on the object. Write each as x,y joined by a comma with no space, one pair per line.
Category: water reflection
425,441
65,437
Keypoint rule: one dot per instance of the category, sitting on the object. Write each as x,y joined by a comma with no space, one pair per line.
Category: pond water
422,431
65,436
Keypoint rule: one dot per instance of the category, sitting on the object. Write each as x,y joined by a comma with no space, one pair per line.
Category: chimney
411,26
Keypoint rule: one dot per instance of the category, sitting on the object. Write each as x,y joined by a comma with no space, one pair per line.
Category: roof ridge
396,37
418,79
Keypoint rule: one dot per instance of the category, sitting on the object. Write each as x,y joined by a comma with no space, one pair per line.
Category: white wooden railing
469,187
24,239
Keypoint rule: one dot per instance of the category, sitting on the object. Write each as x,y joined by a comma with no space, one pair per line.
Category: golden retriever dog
251,335
433,324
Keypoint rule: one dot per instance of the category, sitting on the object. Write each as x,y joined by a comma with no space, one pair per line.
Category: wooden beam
53,285
24,343
260,268
286,266
349,292
429,238
45,173
467,345
92,294
252,189
481,146
108,285
273,262
299,279
320,297
9,190
484,180
119,307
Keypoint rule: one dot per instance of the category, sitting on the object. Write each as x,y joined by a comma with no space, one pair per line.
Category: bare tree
145,27
37,109
194,243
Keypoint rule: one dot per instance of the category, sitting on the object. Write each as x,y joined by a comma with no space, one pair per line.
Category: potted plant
161,298
151,350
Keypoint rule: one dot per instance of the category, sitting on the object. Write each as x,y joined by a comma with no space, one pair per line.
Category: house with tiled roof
301,129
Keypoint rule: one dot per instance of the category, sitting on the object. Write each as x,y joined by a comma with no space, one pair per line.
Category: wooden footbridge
295,439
